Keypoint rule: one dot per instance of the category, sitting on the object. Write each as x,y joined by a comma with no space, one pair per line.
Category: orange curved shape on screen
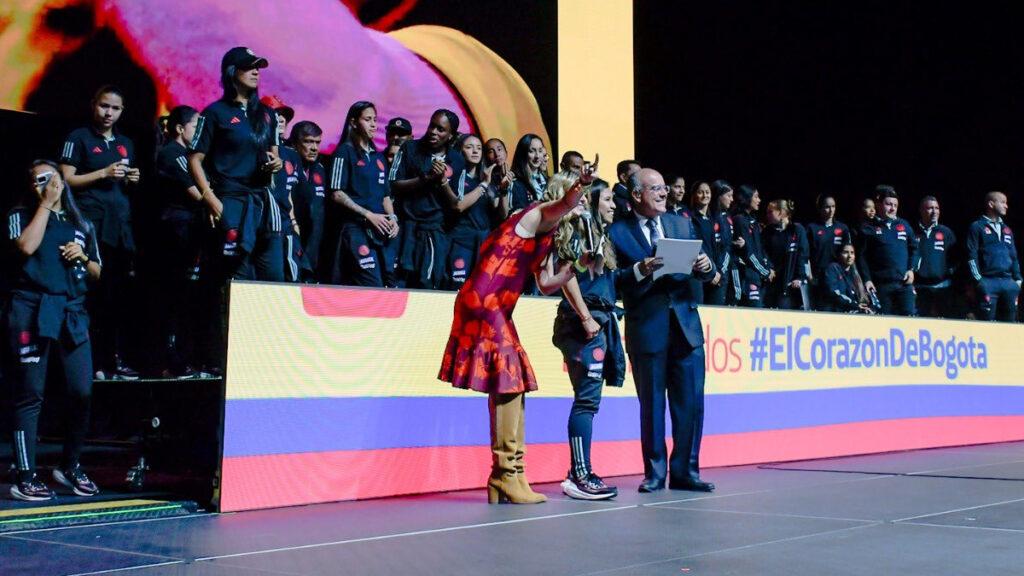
501,103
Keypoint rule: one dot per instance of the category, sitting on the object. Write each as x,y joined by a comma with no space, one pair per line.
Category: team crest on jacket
317,178
380,164
448,171
289,168
938,236
598,354
459,263
364,250
837,232
122,150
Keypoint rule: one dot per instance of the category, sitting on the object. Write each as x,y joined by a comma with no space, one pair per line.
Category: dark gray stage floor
944,511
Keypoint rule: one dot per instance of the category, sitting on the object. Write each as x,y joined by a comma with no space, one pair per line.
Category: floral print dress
483,352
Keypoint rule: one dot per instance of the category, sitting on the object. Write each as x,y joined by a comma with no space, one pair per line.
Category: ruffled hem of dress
487,371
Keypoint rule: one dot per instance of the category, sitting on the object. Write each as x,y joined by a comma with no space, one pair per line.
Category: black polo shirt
287,178
425,205
233,161
826,241
45,271
103,202
363,176
479,216
173,179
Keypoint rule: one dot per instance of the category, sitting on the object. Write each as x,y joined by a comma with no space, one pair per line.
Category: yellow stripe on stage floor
83,507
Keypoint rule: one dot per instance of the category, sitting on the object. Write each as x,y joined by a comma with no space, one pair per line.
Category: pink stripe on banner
354,302
253,482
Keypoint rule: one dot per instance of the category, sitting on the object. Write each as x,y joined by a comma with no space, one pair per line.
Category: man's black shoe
693,485
648,486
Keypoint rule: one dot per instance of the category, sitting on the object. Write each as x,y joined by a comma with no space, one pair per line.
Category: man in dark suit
664,336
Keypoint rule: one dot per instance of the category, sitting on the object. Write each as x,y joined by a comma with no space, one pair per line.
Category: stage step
56,516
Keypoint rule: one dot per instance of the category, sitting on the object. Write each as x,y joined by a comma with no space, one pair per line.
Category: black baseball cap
398,125
243,58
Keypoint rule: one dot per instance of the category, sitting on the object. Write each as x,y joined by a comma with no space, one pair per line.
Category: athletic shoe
590,487
32,490
124,372
77,481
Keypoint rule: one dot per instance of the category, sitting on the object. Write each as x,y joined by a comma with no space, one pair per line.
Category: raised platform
940,511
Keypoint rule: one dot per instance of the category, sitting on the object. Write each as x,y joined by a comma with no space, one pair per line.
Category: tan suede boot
503,485
521,453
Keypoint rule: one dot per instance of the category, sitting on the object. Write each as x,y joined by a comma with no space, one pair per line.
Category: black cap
243,58
398,125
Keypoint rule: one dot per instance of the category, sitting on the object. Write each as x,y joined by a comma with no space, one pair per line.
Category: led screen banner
332,393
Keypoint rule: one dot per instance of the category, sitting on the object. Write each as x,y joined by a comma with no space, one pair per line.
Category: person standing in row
235,145
527,160
664,336
888,256
753,270
992,262
420,171
933,277
623,170
785,243
306,233
97,163
826,237
475,208
359,184
483,351
586,328
716,246
56,255
718,293
181,231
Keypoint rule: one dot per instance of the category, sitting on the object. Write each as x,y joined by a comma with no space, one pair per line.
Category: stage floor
941,511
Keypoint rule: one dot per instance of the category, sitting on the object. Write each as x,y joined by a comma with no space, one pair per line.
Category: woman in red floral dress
484,353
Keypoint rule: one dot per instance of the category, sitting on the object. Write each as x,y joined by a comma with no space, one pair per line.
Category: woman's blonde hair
568,244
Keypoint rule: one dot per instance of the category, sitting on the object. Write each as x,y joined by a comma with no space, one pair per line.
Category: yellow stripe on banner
105,505
595,80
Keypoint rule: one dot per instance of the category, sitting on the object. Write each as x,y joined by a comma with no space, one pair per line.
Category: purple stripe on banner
290,425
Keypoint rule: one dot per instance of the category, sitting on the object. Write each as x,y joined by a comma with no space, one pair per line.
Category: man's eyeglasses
659,188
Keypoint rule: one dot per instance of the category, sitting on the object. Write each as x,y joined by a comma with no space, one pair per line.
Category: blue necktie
655,234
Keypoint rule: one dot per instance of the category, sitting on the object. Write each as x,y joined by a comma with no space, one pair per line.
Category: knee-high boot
503,485
521,451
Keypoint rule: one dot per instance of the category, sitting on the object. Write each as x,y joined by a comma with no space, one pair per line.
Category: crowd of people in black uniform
246,194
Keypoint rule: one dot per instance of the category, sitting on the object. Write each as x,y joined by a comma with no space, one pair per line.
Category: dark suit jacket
650,304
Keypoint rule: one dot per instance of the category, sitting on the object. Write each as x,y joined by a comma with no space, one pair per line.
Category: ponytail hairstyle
166,125
783,205
597,187
718,189
258,113
742,197
354,112
29,198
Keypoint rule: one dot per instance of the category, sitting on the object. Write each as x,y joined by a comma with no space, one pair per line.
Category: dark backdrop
795,97
803,97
